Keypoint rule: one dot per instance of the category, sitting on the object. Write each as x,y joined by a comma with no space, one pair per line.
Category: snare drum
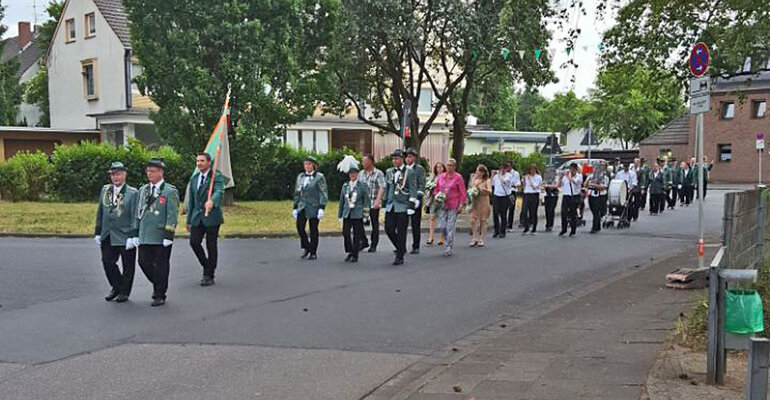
618,191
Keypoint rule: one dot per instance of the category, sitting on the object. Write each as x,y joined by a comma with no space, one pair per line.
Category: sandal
480,244
474,244
440,243
429,243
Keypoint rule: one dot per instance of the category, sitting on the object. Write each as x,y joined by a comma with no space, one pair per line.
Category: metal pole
713,328
759,359
760,167
590,139
701,243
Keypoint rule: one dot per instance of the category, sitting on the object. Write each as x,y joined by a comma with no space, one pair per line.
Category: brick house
738,112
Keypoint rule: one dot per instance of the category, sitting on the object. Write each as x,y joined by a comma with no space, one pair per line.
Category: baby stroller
618,207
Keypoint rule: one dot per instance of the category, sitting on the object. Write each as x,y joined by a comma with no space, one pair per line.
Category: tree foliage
632,102
660,33
529,101
563,112
495,102
270,52
10,89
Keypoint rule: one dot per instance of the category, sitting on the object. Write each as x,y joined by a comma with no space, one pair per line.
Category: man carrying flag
204,196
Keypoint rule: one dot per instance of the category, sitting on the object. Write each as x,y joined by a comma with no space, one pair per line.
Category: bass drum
618,191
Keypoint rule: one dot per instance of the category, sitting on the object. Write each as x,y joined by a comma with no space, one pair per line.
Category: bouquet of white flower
472,194
438,201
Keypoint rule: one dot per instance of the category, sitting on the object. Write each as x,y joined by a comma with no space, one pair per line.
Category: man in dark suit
412,162
400,203
204,216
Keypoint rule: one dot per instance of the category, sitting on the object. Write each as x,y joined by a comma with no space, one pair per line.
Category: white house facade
576,140
90,68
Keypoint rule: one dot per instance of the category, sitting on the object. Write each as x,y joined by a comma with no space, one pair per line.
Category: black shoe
594,231
496,235
122,298
312,257
207,281
354,259
415,251
363,246
372,249
398,261
572,234
305,254
157,302
525,230
348,258
112,295
562,233
548,229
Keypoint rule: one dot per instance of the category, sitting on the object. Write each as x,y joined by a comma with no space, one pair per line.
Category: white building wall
29,112
69,107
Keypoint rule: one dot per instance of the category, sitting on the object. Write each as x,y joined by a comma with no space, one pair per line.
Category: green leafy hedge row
77,173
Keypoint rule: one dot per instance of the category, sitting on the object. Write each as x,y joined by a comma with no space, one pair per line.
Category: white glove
98,240
295,213
132,243
321,213
167,242
410,212
679,187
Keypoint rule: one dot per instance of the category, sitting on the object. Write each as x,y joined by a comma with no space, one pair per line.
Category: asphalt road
280,327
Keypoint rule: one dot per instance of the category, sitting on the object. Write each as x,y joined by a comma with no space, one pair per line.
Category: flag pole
219,146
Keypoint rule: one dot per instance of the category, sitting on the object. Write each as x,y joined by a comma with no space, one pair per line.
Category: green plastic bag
743,312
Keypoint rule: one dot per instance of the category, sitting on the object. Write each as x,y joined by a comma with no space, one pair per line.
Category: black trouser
685,195
673,195
569,205
633,204
643,199
416,220
353,244
309,243
657,203
550,210
531,202
500,205
209,263
374,218
396,225
598,205
120,283
512,210
155,261
705,187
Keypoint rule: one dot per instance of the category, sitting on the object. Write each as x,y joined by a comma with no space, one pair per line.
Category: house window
758,108
425,103
725,152
70,31
728,110
90,88
90,25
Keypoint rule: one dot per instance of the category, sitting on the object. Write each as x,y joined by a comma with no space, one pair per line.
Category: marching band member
412,162
353,209
551,198
310,197
597,198
657,190
571,185
532,183
400,202
502,183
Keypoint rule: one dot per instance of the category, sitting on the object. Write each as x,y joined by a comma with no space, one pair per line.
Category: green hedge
81,171
24,177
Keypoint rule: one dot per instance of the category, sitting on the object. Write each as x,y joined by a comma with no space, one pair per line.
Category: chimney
25,34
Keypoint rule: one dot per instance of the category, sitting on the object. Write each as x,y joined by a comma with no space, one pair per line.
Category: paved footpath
530,317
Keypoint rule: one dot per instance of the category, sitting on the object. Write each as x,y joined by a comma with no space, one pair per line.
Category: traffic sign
700,86
700,104
760,141
699,59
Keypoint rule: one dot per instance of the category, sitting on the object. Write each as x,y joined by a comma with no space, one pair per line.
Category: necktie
153,191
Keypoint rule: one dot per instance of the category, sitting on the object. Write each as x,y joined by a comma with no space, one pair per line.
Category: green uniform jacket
311,197
419,173
695,178
197,198
158,215
118,221
668,177
402,195
676,176
643,175
360,199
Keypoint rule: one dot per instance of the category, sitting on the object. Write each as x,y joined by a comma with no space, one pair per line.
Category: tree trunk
458,136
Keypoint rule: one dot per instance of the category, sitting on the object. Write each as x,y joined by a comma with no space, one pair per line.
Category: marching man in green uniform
116,232
158,214
310,197
354,207
400,203
204,216
412,162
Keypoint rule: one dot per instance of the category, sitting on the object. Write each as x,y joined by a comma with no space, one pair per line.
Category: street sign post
760,150
406,122
699,60
700,102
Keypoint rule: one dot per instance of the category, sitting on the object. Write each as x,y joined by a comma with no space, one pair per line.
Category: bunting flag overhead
521,54
538,52
601,47
569,50
505,53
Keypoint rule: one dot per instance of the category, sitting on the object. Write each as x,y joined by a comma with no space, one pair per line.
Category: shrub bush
80,171
495,160
24,177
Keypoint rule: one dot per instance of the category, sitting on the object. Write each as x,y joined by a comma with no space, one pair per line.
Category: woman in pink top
452,186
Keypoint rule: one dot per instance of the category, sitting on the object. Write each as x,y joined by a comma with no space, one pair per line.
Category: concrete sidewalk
598,346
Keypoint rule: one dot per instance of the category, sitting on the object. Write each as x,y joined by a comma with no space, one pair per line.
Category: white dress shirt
571,188
502,183
155,188
515,179
202,179
600,181
629,177
532,185
115,192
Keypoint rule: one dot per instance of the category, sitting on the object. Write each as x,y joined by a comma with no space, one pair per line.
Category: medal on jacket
402,178
352,196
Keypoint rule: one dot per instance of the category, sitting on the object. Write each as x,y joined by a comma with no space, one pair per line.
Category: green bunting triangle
538,52
569,50
505,53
